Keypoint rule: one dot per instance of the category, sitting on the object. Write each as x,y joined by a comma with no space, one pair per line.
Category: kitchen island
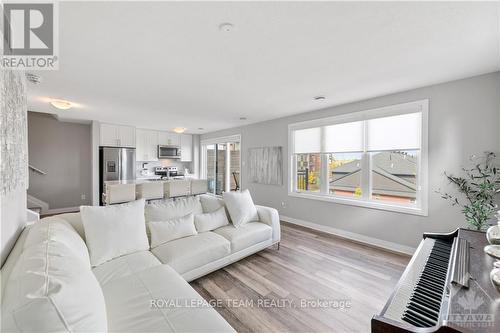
119,191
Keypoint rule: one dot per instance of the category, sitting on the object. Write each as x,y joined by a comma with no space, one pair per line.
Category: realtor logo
29,36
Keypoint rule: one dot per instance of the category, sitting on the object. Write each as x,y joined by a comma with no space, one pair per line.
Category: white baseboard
61,210
375,242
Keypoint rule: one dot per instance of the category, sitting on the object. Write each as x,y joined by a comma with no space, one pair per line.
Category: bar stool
177,188
150,190
199,186
119,193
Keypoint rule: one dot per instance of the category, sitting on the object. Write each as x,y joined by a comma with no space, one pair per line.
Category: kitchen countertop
146,180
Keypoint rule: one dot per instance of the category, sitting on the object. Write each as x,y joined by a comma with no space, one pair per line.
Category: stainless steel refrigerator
115,164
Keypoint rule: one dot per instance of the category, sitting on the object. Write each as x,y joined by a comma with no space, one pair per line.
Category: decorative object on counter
493,232
493,250
266,165
495,277
479,186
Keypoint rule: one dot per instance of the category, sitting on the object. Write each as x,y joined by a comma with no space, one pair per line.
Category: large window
221,164
375,158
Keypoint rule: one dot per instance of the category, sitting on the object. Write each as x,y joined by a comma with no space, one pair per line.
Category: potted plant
478,187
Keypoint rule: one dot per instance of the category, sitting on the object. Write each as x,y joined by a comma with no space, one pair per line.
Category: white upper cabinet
168,138
146,145
109,135
117,135
127,136
186,147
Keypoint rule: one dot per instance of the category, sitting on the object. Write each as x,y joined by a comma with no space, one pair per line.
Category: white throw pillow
113,231
166,231
240,207
165,210
210,203
211,221
51,289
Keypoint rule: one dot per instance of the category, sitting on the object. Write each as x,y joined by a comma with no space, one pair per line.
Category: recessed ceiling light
319,98
179,130
226,27
243,118
61,104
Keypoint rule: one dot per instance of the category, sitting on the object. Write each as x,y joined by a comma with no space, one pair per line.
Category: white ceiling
163,65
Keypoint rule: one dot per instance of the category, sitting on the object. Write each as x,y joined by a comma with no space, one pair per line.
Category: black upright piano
445,288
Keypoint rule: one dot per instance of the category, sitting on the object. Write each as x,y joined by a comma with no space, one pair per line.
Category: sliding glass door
221,164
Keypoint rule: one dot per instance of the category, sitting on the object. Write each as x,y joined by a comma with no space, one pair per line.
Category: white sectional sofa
49,284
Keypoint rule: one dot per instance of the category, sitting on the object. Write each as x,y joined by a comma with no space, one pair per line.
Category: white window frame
392,110
221,140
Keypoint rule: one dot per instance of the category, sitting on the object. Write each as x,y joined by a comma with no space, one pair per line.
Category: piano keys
430,293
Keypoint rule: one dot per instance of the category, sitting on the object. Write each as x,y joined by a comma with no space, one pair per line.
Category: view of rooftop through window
375,159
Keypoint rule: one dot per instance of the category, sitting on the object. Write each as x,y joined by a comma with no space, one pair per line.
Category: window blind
307,140
344,138
400,132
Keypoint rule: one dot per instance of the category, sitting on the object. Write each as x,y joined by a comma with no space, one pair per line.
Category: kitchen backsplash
150,166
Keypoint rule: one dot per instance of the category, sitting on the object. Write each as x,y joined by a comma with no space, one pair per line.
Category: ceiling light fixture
226,27
61,104
243,118
179,130
200,128
319,98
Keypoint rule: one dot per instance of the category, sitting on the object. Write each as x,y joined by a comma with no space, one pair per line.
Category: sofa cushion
211,221
188,253
60,231
165,210
246,235
240,207
210,203
113,231
158,300
124,266
51,288
166,231
75,219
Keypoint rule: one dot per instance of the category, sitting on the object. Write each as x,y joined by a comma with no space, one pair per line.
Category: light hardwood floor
309,266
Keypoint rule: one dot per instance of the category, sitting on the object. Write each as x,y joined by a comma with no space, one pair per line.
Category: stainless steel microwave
169,151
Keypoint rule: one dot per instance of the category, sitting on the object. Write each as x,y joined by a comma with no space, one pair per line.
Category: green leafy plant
479,185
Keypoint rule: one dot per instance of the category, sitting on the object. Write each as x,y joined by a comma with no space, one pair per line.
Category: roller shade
394,133
307,140
343,138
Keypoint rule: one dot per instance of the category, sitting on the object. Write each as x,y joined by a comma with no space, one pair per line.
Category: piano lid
476,309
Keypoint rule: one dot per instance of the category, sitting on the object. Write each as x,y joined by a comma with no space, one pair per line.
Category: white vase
493,232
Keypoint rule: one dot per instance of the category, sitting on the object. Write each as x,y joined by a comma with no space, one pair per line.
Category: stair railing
32,168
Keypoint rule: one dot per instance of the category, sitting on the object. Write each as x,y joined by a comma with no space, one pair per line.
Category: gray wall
464,119
63,150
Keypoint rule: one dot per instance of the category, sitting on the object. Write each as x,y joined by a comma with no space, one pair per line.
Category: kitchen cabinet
146,145
109,135
186,147
127,136
169,138
117,135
